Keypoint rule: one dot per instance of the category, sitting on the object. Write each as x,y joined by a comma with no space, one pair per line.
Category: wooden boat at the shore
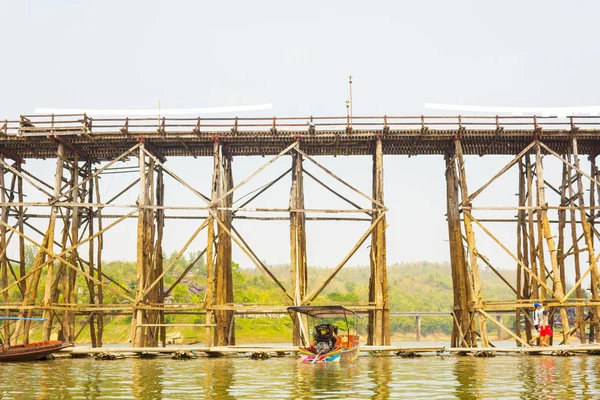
328,346
31,351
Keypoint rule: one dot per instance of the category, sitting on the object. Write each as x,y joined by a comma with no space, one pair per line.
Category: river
370,377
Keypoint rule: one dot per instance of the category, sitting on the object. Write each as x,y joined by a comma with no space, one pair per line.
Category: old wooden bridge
81,149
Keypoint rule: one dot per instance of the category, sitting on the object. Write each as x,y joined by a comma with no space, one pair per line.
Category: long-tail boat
328,346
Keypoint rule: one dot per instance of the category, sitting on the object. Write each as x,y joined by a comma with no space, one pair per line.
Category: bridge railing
68,124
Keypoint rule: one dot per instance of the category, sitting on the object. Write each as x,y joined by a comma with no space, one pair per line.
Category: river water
369,377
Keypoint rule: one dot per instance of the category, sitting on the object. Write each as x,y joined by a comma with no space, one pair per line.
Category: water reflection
145,385
370,377
380,372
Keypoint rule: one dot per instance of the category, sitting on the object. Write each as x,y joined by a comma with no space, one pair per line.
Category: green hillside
418,286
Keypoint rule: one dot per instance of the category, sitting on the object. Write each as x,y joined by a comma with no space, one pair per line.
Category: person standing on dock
545,330
536,322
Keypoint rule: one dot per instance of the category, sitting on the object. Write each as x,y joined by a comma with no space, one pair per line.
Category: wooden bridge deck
35,136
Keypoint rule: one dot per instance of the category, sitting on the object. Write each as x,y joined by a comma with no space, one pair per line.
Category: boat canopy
21,319
324,311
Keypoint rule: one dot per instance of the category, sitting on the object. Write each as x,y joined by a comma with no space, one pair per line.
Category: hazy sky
115,54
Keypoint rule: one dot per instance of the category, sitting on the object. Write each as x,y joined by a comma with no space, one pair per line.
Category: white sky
114,54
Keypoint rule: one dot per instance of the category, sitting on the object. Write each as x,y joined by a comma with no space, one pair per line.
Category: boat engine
325,338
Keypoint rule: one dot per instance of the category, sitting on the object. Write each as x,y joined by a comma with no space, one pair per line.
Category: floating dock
216,351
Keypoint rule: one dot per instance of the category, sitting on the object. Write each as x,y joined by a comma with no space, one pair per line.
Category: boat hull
337,356
32,351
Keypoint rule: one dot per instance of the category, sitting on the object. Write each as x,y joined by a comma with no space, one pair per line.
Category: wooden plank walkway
233,350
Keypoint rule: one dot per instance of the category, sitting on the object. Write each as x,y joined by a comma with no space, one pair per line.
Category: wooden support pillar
379,319
460,281
47,326
100,241
576,260
3,249
158,291
299,272
533,250
70,275
499,321
144,251
225,329
589,239
470,235
546,230
418,327
210,247
523,278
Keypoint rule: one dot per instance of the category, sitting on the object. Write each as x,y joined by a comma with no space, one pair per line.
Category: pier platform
216,351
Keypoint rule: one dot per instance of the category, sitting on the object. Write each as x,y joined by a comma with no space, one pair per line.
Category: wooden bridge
70,245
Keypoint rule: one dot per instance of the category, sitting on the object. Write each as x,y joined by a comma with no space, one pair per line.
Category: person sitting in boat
325,338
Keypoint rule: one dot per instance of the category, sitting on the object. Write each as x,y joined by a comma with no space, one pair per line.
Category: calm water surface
369,377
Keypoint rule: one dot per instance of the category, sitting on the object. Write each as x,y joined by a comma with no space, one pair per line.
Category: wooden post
299,277
47,326
158,291
499,321
523,279
70,274
3,249
533,253
476,282
210,247
418,327
138,331
576,260
225,330
458,261
99,263
587,232
379,318
543,216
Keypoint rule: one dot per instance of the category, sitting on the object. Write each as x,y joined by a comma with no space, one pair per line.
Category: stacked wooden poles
594,191
3,247
299,272
547,233
379,318
47,301
475,286
143,335
225,330
462,335
589,240
210,247
71,222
